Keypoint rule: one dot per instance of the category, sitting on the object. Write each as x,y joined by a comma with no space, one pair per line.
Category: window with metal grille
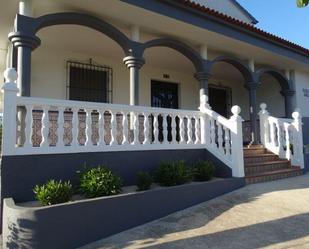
89,82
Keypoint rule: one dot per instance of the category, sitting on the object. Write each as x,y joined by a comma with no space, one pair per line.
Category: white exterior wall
49,78
227,7
49,81
301,84
269,93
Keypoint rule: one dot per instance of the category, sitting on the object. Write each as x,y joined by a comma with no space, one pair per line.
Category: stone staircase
262,165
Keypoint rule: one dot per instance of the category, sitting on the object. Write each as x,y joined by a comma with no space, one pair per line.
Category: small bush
53,192
100,181
172,173
144,181
203,170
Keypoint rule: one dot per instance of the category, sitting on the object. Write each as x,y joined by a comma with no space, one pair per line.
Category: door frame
169,82
229,96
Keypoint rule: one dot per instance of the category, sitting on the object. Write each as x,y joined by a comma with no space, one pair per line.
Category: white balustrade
97,127
283,136
227,146
91,127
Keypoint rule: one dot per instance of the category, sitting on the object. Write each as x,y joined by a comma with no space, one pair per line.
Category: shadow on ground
256,235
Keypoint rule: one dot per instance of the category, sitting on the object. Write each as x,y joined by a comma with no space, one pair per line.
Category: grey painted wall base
19,174
306,142
78,223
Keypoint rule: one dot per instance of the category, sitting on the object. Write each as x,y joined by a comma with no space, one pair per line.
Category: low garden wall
74,224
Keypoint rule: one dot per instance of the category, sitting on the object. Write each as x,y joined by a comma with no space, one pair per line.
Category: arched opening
82,63
167,81
229,77
273,85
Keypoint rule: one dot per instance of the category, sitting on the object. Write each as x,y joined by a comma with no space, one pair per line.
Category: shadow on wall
306,141
253,236
20,242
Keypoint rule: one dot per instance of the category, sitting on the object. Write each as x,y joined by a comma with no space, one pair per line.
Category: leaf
302,3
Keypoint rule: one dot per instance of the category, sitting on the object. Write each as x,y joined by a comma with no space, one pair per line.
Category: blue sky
282,18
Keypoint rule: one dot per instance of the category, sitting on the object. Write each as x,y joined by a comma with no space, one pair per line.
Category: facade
131,82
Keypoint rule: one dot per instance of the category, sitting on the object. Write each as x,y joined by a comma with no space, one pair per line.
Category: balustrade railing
52,126
283,136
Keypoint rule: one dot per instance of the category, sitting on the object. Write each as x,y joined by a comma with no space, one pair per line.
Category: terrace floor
266,215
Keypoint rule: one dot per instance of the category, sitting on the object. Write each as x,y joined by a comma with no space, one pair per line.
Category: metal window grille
89,82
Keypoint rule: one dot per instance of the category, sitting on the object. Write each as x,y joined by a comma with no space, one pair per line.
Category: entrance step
262,165
274,175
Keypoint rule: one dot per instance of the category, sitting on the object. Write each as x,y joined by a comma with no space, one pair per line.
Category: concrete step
273,175
254,151
260,158
264,167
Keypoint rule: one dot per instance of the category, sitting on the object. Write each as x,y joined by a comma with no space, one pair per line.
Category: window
88,82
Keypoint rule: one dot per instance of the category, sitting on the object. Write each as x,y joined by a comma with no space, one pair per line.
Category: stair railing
223,137
283,136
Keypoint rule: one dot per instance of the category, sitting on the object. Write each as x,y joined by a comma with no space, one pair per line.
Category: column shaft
253,116
134,86
24,70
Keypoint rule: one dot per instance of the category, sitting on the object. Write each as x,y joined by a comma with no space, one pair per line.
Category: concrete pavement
266,215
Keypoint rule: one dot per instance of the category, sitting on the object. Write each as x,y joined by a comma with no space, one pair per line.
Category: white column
10,91
251,64
204,51
264,124
135,33
26,8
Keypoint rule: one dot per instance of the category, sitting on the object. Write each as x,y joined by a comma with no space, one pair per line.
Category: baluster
164,128
189,129
45,127
88,132
287,141
60,128
181,129
207,130
125,128
212,132
135,128
173,129
75,122
227,141
272,134
101,132
146,128
220,138
197,130
280,141
28,126
113,128
155,129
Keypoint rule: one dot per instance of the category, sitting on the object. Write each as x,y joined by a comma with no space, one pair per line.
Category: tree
302,3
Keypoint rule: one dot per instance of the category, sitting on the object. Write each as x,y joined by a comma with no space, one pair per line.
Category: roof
247,26
245,11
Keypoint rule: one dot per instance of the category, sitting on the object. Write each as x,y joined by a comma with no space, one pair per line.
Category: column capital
287,93
252,85
202,76
19,39
132,61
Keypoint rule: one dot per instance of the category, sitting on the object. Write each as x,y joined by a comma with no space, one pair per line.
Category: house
130,83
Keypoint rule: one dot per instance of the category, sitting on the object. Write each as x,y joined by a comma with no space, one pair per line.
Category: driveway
265,215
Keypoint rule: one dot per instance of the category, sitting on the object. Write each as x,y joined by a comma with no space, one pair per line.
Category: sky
282,18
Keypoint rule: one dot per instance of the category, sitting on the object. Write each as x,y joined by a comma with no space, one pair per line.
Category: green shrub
99,181
203,170
172,173
53,192
144,181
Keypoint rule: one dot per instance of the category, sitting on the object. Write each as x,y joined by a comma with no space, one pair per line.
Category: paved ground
267,215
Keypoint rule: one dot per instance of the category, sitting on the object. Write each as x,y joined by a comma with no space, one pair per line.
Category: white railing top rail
39,102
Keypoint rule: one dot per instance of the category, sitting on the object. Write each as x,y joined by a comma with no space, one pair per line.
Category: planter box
77,223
